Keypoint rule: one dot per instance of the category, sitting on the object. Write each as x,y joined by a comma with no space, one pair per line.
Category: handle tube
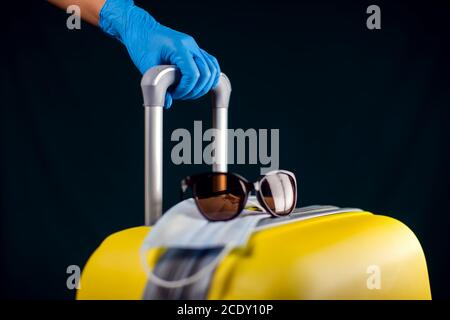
153,163
154,84
220,123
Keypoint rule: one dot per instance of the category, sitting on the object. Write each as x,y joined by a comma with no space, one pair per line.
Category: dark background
363,118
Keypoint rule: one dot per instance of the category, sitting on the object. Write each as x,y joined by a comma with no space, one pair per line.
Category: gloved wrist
116,14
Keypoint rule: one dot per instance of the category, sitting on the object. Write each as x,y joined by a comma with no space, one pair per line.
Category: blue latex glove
150,43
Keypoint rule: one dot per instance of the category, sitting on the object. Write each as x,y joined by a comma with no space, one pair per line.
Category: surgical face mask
184,227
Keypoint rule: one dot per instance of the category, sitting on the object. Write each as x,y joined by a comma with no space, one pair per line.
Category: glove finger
205,75
189,75
168,101
212,78
216,65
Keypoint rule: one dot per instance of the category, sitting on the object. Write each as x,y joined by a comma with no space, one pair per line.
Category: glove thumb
168,101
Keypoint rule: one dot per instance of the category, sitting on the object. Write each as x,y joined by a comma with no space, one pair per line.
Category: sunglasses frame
248,187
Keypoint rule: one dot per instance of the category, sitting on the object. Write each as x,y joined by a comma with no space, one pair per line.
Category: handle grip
155,83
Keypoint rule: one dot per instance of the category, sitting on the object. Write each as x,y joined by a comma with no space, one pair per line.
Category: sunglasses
222,196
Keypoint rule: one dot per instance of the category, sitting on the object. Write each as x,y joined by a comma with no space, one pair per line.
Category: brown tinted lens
278,193
219,196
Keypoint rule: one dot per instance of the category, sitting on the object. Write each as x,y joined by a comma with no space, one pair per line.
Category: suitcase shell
326,257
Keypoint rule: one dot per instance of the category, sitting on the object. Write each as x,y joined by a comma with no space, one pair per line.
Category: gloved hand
150,43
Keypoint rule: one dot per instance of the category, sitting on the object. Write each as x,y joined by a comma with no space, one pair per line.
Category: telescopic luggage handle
154,84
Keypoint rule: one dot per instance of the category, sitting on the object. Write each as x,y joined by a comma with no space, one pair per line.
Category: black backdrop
363,118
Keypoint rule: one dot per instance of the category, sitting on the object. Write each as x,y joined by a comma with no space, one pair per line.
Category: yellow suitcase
349,255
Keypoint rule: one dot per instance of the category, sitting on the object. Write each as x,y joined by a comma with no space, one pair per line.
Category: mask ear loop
171,284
